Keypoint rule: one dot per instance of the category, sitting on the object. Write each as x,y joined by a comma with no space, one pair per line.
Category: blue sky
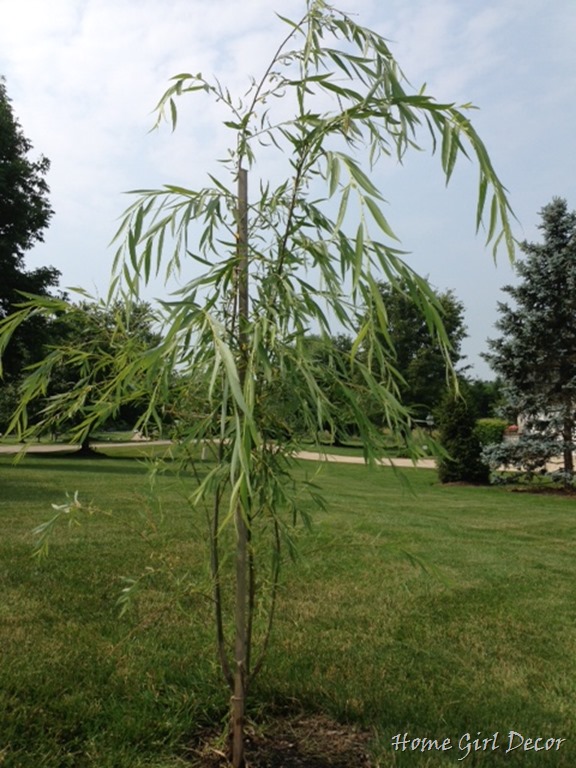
84,76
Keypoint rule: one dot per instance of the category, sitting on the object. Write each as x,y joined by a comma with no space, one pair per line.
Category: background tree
536,353
274,267
456,422
486,396
419,356
25,214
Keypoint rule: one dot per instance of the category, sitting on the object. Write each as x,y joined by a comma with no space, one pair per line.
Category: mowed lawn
426,610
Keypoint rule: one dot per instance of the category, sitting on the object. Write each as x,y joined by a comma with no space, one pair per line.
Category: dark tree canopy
25,214
419,358
486,397
535,354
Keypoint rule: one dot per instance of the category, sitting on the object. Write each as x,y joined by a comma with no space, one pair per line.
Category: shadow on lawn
70,462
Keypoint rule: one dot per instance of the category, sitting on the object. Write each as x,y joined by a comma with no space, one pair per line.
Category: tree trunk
567,437
241,645
242,619
86,451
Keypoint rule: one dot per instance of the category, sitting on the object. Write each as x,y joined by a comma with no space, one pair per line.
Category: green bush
456,424
490,431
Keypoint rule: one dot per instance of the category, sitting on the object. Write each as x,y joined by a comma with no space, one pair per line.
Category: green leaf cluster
489,431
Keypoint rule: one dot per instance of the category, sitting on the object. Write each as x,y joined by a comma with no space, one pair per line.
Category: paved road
314,456
306,455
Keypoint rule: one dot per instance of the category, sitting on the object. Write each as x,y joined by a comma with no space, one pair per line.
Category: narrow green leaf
333,173
482,189
358,256
173,113
360,177
493,219
343,207
379,217
231,371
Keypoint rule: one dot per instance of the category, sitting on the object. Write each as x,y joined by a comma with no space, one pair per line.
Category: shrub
456,424
489,431
526,458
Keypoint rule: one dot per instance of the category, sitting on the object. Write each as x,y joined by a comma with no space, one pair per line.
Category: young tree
456,422
278,263
536,353
419,357
25,213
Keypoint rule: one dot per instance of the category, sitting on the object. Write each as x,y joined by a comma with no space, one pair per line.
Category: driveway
306,455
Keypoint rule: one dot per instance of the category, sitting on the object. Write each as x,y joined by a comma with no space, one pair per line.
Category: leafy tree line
86,333
418,359
89,343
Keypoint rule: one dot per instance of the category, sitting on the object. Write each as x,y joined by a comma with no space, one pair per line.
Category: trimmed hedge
490,431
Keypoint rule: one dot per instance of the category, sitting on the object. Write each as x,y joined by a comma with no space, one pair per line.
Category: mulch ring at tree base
313,741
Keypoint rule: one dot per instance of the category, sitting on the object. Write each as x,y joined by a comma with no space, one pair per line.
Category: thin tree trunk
86,450
241,645
567,436
242,621
217,586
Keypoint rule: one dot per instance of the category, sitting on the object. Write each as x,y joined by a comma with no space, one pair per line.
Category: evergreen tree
536,352
486,397
456,422
25,213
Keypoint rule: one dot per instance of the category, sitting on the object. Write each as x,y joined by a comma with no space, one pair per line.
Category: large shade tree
25,214
305,248
535,354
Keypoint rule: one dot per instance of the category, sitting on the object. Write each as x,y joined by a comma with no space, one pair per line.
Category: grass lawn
483,641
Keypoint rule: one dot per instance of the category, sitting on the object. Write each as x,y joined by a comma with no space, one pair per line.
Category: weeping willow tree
303,251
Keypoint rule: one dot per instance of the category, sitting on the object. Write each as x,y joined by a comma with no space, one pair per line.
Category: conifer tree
456,422
536,352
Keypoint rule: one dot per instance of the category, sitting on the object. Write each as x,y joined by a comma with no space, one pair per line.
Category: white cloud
84,76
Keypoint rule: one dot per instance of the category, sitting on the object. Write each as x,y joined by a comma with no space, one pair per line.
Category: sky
85,75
